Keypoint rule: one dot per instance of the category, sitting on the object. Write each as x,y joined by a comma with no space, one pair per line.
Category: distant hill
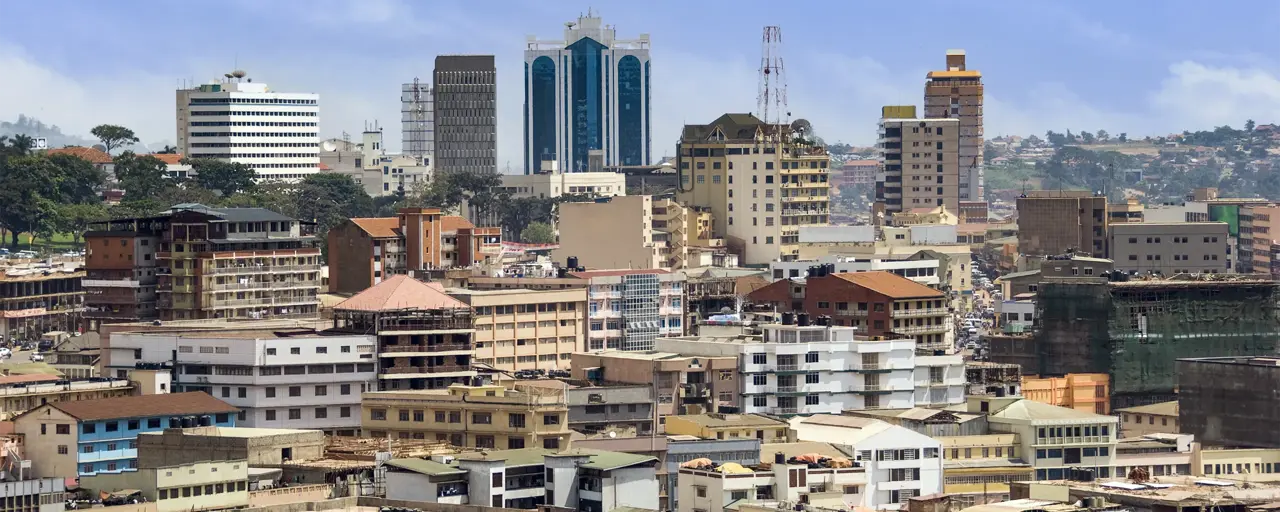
32,127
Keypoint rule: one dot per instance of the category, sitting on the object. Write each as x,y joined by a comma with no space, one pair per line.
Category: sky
1144,68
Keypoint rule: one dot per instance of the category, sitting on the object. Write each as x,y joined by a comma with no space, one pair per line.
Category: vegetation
113,137
538,233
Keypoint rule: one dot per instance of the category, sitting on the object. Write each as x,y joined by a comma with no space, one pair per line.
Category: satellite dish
239,73
613,435
802,127
328,145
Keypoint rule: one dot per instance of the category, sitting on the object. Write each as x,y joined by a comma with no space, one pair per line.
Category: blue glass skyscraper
586,99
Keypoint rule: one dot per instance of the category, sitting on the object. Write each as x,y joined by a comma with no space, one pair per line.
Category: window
551,443
153,423
550,419
378,414
344,389
295,414
295,390
271,415
62,429
481,418
701,490
271,392
515,420
112,426
295,350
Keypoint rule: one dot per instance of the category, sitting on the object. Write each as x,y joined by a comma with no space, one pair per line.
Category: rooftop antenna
771,101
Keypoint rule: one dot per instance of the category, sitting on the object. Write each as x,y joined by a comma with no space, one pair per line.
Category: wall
183,446
350,259
1222,403
44,450
608,235
1147,247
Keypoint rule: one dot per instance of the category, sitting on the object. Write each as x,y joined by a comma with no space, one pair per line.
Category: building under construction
1135,330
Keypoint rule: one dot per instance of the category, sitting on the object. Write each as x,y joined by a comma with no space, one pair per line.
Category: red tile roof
588,274
174,404
379,227
324,167
890,285
89,154
168,158
451,223
401,292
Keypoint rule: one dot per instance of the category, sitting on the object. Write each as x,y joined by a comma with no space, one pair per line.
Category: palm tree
168,150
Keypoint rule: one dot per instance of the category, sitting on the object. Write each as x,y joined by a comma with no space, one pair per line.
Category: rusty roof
379,227
171,404
91,155
167,158
890,285
401,292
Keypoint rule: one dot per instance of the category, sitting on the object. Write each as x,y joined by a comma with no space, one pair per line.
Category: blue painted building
73,439
588,93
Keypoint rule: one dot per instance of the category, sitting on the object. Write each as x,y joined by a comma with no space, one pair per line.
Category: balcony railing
260,269
788,389
438,347
440,368
919,329
1073,440
787,367
918,312
606,295
783,410
109,283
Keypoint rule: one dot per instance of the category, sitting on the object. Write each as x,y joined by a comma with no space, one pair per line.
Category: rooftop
716,420
379,227
398,293
890,285
1181,491
172,404
1031,410
1169,408
231,214
91,155
796,449
648,355
234,432
588,274
1239,361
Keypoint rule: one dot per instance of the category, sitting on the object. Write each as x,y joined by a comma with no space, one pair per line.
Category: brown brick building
365,251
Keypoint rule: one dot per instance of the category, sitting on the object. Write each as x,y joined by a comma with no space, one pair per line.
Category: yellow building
519,329
214,485
688,232
21,393
728,426
1252,464
480,416
1088,392
956,93
979,468
1161,418
760,182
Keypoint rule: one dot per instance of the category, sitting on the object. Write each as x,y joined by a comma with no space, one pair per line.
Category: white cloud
1198,96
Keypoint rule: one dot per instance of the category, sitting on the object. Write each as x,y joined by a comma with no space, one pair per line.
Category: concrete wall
1223,403
1148,247
178,446
608,235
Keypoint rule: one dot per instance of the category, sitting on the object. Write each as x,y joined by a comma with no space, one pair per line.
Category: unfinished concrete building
1230,401
1135,330
992,379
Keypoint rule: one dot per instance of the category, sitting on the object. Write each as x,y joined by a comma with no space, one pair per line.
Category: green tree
1103,135
226,178
28,195
17,145
1087,138
113,136
1124,137
75,218
329,198
78,180
1249,126
167,150
141,176
538,233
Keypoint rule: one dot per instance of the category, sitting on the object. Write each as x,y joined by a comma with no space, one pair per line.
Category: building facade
1054,222
1088,392
519,329
417,120
595,409
122,273
204,485
474,416
277,379
684,384
628,309
899,464
464,92
238,120
1219,400
919,163
551,185
760,184
1168,249
21,393
586,96
615,232
34,301
956,93
925,272
365,251
1053,439
1161,418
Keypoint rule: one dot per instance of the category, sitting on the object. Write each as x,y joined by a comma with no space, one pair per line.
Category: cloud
1199,96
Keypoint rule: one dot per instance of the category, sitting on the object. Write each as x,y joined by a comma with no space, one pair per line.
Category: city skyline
1133,71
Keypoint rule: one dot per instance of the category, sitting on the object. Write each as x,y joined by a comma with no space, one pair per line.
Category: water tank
175,422
206,421
802,319
571,262
788,318
828,269
188,422
779,458
562,272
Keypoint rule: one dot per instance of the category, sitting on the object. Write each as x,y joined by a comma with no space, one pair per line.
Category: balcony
793,367
695,391
109,283
920,329
782,410
919,312
606,313
613,294
1072,440
440,368
439,347
260,269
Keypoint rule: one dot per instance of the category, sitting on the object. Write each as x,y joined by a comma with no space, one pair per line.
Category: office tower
760,184
1053,222
587,93
919,164
417,120
239,120
464,92
957,93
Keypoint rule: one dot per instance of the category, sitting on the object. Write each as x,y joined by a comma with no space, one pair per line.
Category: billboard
1229,214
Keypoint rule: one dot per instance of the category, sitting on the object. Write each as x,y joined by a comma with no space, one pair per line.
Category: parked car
35,358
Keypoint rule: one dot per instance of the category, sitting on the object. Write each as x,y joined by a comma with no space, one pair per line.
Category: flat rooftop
650,355
234,432
1236,361
1181,491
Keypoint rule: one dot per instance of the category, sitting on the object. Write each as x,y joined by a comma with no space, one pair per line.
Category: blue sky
1125,66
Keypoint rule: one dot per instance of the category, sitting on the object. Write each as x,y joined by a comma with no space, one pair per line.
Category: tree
28,195
1103,135
538,233
329,198
113,136
167,150
1249,126
141,177
78,180
75,218
17,145
1124,137
1087,138
226,178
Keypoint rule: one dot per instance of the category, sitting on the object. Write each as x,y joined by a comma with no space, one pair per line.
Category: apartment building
34,495
1161,418
70,439
1053,222
628,309
783,481
246,263
1053,439
299,378
276,133
475,416
689,235
977,469
856,172
1088,392
1175,248
956,93
425,338
814,369
21,393
920,166
1257,239
204,485
35,299
1223,400
873,303
915,243
520,329
760,183
551,185
597,408
684,384
529,478
728,426
898,464
366,251
121,272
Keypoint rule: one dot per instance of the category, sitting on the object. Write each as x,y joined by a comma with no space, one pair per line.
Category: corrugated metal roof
172,404
890,285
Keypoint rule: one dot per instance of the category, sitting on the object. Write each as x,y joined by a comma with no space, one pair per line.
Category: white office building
278,379
238,120
815,369
925,272
556,184
900,463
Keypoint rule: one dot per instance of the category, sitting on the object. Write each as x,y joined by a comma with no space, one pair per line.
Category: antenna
417,121
772,99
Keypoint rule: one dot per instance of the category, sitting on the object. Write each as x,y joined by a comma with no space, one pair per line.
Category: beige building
1173,248
21,393
1161,418
689,234
684,384
519,329
760,184
1052,222
612,233
210,485
956,93
556,184
919,163
480,416
728,426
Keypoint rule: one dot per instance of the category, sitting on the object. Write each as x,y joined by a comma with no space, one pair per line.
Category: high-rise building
242,121
919,164
956,92
760,184
417,120
588,93
464,95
